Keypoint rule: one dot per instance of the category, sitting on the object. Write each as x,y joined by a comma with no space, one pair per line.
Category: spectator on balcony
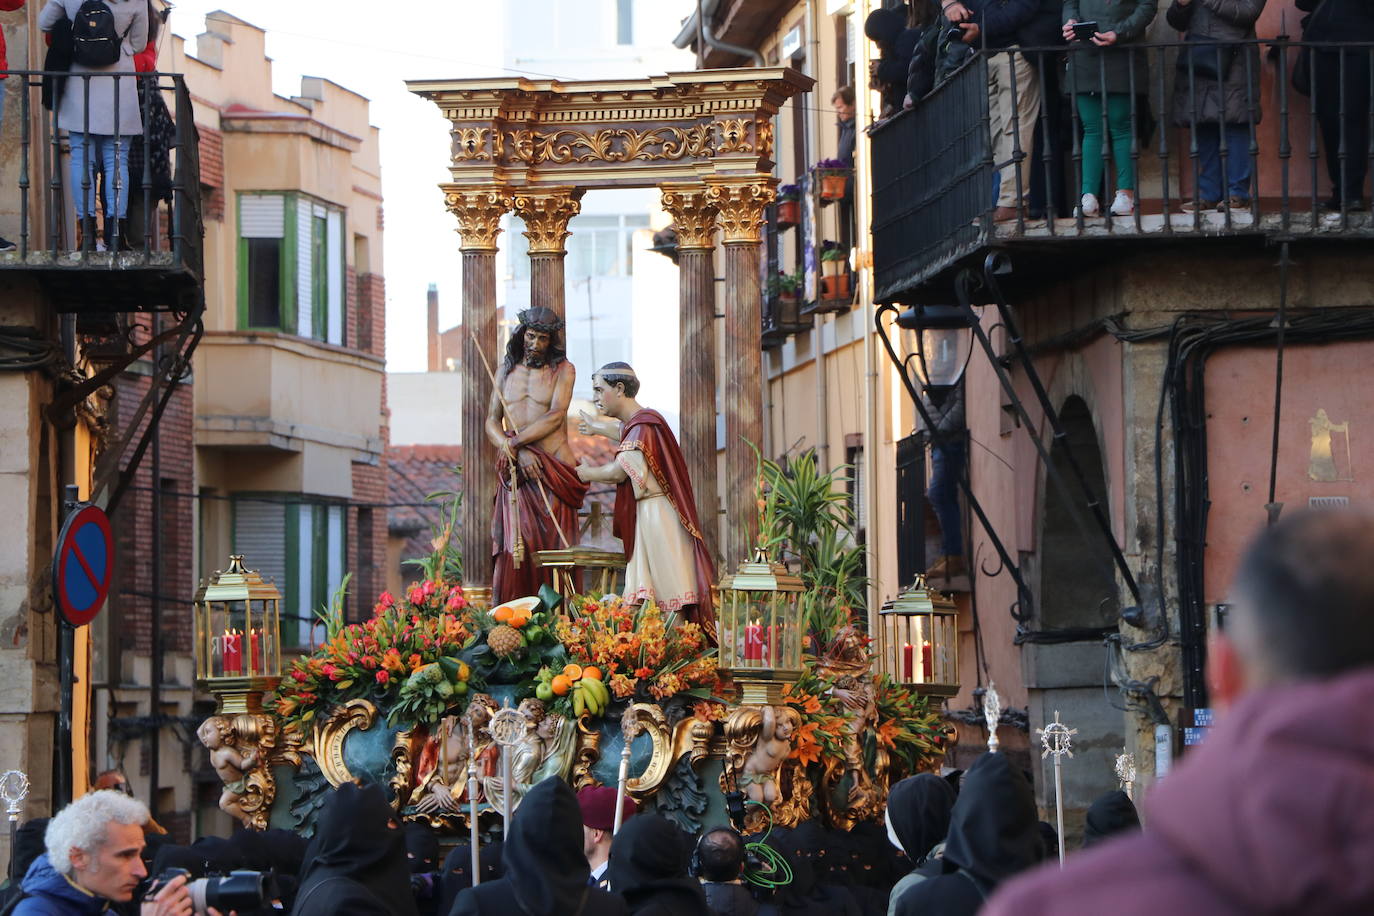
1102,76
93,130
1048,185
843,100
1219,111
1342,79
887,29
948,454
1013,90
5,6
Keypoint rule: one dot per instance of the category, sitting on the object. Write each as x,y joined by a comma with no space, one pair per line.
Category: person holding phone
1102,76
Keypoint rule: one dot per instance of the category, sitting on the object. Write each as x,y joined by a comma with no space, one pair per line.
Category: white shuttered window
291,266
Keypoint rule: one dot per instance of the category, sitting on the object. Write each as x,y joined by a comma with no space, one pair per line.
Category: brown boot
85,229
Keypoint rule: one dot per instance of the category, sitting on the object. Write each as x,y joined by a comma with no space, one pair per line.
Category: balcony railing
935,175
159,265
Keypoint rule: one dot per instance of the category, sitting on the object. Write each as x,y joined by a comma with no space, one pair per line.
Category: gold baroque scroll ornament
611,144
758,743
546,213
329,738
652,722
479,212
740,202
693,213
734,136
470,144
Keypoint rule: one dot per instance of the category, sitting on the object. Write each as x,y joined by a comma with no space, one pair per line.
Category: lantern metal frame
777,639
918,640
237,602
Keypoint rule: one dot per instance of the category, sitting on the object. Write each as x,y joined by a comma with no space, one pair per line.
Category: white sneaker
1089,206
1123,205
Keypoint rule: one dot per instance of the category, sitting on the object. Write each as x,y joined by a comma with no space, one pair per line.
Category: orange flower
887,733
806,749
391,661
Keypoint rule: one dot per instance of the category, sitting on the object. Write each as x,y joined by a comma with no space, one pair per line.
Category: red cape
650,434
531,518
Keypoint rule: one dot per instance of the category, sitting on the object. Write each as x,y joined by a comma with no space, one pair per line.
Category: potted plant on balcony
833,175
834,270
781,314
789,206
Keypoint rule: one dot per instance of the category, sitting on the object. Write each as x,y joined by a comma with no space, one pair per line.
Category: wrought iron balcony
160,266
935,173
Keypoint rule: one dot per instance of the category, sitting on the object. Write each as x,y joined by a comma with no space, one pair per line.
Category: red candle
753,643
906,663
233,653
255,656
927,669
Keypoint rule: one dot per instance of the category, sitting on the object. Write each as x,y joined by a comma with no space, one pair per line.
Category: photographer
93,860
719,863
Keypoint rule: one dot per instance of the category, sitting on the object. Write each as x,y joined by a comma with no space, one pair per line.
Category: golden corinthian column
546,212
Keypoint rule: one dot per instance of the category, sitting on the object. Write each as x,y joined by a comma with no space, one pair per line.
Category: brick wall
353,327
371,297
212,171
367,537
133,524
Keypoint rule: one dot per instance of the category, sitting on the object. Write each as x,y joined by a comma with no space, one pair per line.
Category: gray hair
81,825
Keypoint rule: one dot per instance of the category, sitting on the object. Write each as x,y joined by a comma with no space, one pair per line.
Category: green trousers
1119,126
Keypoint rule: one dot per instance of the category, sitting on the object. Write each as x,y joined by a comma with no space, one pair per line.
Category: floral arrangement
788,192
637,649
833,251
376,658
832,165
785,284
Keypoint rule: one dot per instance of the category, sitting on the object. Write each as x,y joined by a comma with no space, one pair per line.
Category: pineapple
504,640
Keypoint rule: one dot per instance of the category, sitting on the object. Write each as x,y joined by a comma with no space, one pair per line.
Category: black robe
994,833
544,849
918,808
357,861
1108,815
648,867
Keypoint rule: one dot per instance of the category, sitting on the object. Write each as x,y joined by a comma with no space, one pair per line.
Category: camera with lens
238,890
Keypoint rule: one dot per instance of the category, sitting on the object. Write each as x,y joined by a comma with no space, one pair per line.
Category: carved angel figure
528,756
231,763
761,739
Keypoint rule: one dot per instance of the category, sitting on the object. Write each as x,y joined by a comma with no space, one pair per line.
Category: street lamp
937,340
237,624
918,640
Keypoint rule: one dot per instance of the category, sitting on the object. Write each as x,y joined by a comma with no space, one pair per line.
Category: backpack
95,40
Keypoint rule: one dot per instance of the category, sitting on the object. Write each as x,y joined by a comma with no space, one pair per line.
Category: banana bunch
590,695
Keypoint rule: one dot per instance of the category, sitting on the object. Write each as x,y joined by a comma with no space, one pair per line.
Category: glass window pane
264,282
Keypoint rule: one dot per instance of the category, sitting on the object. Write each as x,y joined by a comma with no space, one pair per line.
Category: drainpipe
863,189
813,139
699,25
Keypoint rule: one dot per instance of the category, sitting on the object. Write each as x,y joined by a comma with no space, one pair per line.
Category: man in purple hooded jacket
1273,815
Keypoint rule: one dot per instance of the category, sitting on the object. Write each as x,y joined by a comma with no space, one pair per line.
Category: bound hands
523,458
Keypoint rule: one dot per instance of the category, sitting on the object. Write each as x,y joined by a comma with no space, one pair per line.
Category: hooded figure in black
1110,814
918,810
456,872
994,833
648,867
797,897
812,841
544,853
357,861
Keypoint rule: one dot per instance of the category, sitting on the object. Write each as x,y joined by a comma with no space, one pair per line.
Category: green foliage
332,614
807,513
445,564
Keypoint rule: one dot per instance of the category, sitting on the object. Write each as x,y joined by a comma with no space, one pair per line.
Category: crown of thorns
541,319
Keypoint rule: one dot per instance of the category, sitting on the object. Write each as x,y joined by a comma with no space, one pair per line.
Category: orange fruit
592,672
519,619
502,614
561,684
572,672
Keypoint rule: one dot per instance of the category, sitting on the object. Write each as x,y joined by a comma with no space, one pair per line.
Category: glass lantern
761,629
237,636
919,640
938,340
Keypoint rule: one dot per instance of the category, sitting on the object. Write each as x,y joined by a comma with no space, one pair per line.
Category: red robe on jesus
649,434
532,521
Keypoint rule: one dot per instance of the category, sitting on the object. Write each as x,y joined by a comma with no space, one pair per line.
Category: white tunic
662,567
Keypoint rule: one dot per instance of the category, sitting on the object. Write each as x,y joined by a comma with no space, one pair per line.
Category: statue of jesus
655,510
527,422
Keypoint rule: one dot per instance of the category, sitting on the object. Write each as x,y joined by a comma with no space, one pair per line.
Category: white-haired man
93,859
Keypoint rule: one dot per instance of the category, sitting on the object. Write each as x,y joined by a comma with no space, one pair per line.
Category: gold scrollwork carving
479,212
693,213
470,144
587,754
763,137
795,804
646,718
611,144
734,136
546,213
329,738
740,202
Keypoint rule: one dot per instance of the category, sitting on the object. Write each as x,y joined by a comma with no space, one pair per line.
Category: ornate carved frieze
479,212
470,144
610,144
693,213
740,203
546,213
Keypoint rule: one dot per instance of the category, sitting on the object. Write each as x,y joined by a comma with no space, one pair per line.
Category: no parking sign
83,565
